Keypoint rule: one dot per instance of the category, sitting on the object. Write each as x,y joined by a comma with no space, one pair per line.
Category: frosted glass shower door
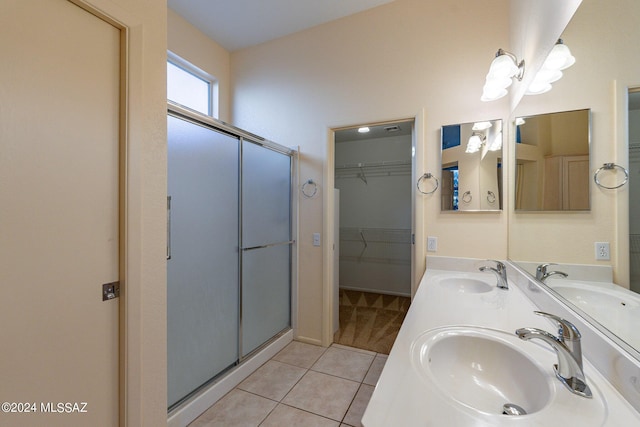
266,243
203,269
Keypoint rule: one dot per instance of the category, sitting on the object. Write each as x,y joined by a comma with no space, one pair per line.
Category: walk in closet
373,175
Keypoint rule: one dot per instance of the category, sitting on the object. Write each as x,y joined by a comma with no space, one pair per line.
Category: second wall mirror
472,166
552,162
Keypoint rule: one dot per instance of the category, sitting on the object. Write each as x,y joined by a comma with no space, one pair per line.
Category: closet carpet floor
370,321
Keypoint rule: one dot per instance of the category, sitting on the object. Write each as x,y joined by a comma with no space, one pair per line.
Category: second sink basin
466,285
482,369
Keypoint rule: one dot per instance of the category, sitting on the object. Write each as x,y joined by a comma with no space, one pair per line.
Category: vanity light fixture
503,69
363,129
559,59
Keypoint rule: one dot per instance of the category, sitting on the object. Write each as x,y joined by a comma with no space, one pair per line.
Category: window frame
212,93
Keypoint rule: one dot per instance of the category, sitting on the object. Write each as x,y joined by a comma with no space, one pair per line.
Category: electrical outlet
432,244
602,251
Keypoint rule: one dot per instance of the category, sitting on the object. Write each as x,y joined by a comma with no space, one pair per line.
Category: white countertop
402,397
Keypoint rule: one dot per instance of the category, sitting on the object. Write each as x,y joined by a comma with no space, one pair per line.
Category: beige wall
395,61
406,59
193,46
603,36
145,351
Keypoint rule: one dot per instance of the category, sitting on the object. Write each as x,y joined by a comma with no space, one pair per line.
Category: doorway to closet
373,185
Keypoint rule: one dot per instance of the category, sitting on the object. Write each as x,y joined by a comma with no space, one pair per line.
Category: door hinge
110,291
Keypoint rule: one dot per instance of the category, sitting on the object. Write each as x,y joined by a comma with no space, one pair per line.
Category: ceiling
237,24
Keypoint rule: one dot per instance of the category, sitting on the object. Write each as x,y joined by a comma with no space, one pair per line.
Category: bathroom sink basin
616,308
466,285
592,297
482,369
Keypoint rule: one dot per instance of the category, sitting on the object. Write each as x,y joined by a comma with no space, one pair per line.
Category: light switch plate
316,239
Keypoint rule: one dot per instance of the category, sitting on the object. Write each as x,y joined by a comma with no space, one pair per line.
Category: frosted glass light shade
538,88
481,125
502,66
474,144
559,58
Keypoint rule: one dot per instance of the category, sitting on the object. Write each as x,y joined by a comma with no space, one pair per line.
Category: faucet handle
541,270
543,267
499,264
567,331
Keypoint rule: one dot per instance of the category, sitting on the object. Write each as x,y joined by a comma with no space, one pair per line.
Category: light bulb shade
547,76
496,144
502,66
559,58
481,125
491,94
474,144
538,88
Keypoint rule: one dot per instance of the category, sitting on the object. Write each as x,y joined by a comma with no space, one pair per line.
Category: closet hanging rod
386,163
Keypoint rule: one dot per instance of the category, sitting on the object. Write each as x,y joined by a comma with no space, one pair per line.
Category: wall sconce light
503,69
559,59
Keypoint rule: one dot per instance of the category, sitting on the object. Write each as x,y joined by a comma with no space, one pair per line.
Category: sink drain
512,409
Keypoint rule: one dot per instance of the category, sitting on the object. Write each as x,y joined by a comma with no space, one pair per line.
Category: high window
190,87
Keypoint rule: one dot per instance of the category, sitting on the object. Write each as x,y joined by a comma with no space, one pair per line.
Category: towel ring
491,197
466,197
428,175
306,192
610,166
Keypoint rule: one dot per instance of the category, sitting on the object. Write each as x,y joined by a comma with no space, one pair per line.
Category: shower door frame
183,113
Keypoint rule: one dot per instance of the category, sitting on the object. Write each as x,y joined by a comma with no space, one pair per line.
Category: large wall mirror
472,166
552,161
568,237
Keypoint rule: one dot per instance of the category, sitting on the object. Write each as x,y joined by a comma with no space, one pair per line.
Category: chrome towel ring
467,197
428,175
610,166
305,191
491,196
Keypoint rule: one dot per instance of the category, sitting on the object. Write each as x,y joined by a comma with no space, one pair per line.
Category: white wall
603,36
392,62
406,59
193,46
144,344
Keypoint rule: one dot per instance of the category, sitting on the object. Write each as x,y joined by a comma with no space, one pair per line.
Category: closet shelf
375,235
378,169
386,163
374,260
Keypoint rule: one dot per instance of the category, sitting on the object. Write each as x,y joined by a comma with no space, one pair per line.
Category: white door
59,214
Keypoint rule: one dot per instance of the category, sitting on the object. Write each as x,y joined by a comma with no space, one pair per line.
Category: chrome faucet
567,346
500,271
542,274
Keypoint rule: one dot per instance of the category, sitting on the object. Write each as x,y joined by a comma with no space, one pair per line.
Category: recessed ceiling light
363,129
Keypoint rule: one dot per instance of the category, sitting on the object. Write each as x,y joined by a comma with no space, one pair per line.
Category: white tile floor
303,385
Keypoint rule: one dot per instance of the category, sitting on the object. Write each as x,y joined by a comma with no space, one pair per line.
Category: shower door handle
168,227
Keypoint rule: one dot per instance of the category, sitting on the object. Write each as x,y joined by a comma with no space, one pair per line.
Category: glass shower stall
229,248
